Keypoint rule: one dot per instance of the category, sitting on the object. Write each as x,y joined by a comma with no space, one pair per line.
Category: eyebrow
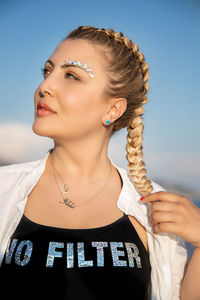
73,63
50,62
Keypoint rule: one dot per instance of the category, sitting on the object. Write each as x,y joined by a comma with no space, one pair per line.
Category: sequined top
44,262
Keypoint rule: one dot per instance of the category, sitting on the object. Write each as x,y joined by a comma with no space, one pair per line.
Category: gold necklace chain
65,188
63,180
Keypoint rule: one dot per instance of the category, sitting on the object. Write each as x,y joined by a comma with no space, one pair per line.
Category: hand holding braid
137,71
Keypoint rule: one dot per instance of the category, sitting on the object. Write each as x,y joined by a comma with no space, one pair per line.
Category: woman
72,224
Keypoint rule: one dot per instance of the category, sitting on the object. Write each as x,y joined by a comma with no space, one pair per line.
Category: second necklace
66,188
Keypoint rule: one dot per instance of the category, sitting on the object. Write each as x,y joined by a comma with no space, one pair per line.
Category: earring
108,122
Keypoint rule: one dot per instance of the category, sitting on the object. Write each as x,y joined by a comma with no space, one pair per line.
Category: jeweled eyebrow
78,64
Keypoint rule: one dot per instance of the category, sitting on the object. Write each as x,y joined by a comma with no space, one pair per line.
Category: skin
81,138
176,214
78,127
80,141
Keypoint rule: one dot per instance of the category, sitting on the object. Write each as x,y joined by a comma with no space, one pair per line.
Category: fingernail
142,198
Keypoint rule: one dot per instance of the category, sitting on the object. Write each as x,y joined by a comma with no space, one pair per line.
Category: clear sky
167,32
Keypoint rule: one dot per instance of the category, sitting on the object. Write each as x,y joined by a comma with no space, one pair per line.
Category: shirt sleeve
179,262
180,252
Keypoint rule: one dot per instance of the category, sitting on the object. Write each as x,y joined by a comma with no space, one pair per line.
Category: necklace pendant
68,202
65,188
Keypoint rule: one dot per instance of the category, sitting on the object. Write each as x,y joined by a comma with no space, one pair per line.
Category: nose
43,93
47,88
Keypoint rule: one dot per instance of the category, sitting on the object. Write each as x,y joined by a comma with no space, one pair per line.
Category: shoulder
18,168
24,167
157,187
124,172
13,175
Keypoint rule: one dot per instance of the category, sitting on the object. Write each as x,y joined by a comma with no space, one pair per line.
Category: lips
44,107
44,110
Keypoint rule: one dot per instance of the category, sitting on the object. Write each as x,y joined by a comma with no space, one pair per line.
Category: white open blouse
167,252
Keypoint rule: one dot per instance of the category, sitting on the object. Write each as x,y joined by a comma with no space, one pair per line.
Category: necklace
66,188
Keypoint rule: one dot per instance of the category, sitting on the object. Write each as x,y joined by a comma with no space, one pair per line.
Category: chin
41,129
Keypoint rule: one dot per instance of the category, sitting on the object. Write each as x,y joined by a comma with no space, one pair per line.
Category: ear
116,109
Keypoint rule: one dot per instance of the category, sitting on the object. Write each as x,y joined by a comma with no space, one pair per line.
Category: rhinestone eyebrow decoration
78,64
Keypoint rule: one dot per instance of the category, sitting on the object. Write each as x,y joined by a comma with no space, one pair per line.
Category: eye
44,71
68,75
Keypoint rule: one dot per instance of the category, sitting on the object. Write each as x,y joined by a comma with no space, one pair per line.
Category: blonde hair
127,74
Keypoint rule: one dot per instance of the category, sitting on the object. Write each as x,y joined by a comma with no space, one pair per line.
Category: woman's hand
176,214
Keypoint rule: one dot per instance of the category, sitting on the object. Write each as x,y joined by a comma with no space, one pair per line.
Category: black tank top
45,262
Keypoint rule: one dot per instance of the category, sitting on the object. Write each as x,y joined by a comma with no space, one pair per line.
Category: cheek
79,112
80,103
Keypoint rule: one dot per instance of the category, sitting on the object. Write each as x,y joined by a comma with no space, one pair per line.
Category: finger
161,196
161,217
162,206
167,227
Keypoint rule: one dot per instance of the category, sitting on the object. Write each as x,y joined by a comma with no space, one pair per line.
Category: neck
82,162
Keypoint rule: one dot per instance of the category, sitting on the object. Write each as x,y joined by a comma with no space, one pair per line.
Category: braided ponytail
135,129
128,74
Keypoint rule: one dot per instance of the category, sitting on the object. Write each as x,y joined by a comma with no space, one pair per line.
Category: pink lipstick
44,110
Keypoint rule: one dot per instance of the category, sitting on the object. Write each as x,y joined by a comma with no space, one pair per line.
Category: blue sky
167,32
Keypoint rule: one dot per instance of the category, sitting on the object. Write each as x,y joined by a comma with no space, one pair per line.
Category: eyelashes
45,70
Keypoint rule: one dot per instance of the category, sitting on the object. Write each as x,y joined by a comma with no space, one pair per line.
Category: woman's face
77,99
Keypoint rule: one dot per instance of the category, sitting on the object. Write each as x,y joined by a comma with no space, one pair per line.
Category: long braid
135,129
135,126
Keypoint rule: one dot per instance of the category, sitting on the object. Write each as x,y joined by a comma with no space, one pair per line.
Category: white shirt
167,252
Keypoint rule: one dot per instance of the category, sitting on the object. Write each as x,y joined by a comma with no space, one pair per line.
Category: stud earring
108,122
